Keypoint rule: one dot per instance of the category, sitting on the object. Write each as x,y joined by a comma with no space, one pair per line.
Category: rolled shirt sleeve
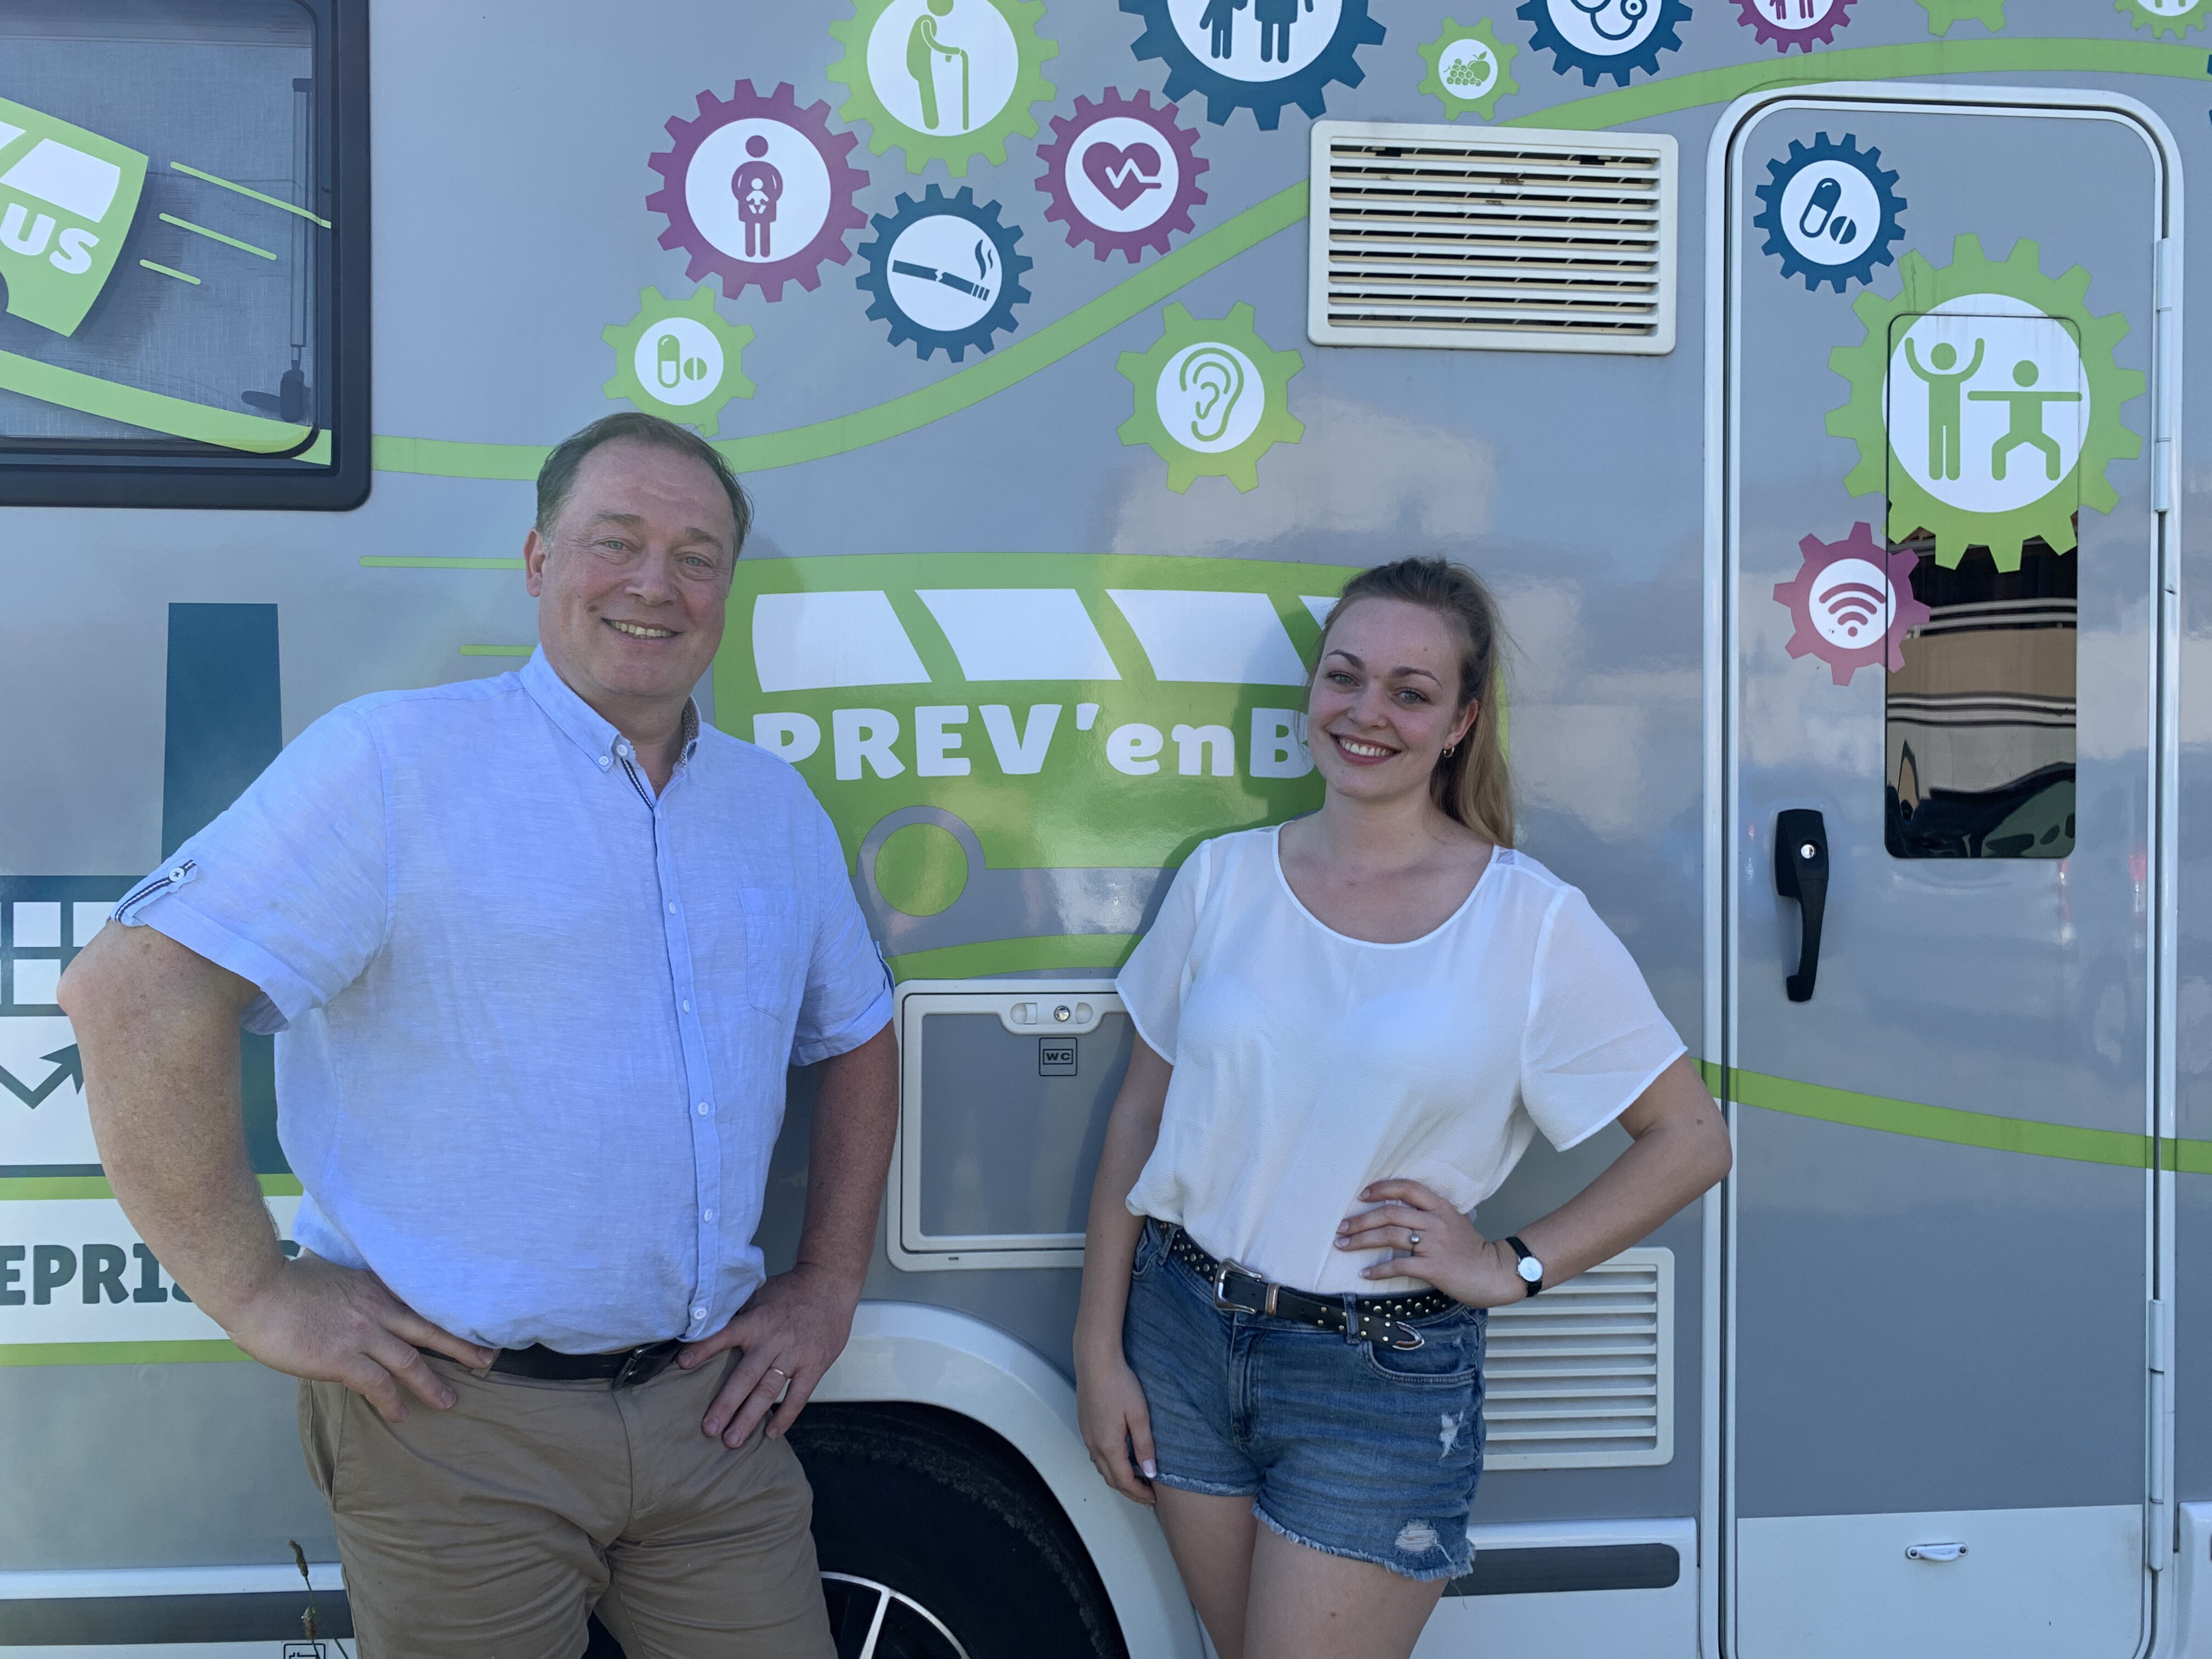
1595,1039
848,998
290,887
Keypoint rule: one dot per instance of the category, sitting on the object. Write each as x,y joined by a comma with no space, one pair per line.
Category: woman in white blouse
1350,1028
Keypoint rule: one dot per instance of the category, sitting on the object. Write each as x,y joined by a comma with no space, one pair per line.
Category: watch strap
1527,1255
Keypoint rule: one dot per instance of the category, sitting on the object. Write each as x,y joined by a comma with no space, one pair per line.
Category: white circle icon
1122,175
1468,68
945,272
1829,212
1604,28
1210,397
1793,15
1259,40
943,66
758,189
2169,8
678,361
1986,403
1849,603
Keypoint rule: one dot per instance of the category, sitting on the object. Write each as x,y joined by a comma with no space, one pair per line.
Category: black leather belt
1363,1318
624,1369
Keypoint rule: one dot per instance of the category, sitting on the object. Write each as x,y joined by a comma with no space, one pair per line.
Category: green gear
1277,425
1941,14
2139,14
653,308
988,140
1502,51
1866,366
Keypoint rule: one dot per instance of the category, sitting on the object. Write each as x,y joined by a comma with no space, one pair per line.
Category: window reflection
1979,722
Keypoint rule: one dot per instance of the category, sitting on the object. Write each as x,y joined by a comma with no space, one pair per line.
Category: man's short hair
635,426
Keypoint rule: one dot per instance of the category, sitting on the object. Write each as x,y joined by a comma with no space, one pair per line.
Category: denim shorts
1351,1447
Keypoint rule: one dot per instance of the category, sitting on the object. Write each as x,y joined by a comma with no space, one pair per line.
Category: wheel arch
910,1353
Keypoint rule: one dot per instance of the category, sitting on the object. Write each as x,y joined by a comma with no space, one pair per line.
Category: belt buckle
1221,1276
1418,1341
642,1365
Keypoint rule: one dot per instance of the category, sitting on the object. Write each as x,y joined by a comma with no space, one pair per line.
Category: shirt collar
583,725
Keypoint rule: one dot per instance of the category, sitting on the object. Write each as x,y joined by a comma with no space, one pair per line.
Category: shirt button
604,762
706,1215
671,909
687,1007
704,1108
698,1313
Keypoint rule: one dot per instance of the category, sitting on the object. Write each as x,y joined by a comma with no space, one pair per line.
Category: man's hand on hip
315,1319
787,1335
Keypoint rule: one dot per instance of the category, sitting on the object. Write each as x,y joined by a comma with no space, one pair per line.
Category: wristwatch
1530,1269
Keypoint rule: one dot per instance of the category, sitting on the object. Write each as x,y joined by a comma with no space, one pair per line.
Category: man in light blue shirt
538,951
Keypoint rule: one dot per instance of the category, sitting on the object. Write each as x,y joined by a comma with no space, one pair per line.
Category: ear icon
1216,380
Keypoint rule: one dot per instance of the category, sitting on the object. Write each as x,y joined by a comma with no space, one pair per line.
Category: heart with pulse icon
1122,173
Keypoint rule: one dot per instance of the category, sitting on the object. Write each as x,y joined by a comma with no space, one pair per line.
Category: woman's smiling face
1385,700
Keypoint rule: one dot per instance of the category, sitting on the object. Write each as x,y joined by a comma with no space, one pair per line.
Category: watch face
1531,1269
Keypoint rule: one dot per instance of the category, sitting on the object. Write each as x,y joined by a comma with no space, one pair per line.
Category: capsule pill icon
668,362
1818,212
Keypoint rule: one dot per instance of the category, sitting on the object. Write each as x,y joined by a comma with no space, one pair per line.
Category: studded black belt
1384,1319
624,1369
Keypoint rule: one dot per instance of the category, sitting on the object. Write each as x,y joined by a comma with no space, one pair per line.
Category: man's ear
535,548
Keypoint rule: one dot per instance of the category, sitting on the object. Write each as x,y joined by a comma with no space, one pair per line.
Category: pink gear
1066,134
1852,617
1759,16
812,124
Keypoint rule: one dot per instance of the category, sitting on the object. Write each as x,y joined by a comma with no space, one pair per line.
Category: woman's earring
1448,750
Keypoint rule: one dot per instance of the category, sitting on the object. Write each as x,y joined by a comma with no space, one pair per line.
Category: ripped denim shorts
1351,1447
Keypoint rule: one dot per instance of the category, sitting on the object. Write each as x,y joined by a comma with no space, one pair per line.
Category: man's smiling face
633,579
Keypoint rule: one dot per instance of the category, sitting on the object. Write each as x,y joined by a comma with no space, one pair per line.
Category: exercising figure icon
923,50
758,186
2027,417
1946,418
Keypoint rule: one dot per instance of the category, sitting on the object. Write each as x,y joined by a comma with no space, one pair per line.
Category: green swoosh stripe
1959,1129
23,1186
1018,361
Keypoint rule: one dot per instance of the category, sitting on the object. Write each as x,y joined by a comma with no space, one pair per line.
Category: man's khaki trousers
492,1530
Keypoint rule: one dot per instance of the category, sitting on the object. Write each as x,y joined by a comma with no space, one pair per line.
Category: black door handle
1801,872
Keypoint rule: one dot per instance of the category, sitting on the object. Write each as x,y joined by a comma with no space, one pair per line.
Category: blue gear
1225,94
1867,163
1645,55
877,277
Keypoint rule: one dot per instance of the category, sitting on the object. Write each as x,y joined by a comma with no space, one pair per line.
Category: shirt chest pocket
775,951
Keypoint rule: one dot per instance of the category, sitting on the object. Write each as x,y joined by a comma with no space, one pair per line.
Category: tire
940,1525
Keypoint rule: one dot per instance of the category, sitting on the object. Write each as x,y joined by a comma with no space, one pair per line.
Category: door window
183,253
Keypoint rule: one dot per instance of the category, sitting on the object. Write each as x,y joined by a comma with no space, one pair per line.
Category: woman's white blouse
1308,1064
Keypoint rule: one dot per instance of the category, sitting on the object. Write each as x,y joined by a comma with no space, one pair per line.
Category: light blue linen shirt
532,1022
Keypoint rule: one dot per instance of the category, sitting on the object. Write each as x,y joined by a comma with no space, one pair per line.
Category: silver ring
780,1372
1415,1239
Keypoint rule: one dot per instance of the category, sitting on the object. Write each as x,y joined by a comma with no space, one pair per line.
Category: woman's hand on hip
1116,1424
1430,1241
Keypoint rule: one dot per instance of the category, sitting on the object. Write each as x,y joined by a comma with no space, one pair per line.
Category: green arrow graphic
68,1064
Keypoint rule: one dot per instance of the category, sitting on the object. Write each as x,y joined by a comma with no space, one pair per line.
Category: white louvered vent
1582,1377
1510,240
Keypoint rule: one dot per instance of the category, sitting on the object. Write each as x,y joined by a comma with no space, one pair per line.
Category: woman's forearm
1110,1242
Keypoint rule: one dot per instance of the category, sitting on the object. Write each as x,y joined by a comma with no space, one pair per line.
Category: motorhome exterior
1809,377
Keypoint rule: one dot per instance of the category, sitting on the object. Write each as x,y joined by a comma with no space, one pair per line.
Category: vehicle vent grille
1583,1376
1521,239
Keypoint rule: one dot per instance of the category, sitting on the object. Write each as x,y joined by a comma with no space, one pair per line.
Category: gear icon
798,184
1210,398
1852,603
2193,15
1811,21
1263,92
2008,300
1468,69
1941,14
1115,186
970,92
1575,35
679,361
1831,212
930,246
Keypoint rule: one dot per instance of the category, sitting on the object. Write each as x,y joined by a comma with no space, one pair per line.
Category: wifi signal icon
1853,606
